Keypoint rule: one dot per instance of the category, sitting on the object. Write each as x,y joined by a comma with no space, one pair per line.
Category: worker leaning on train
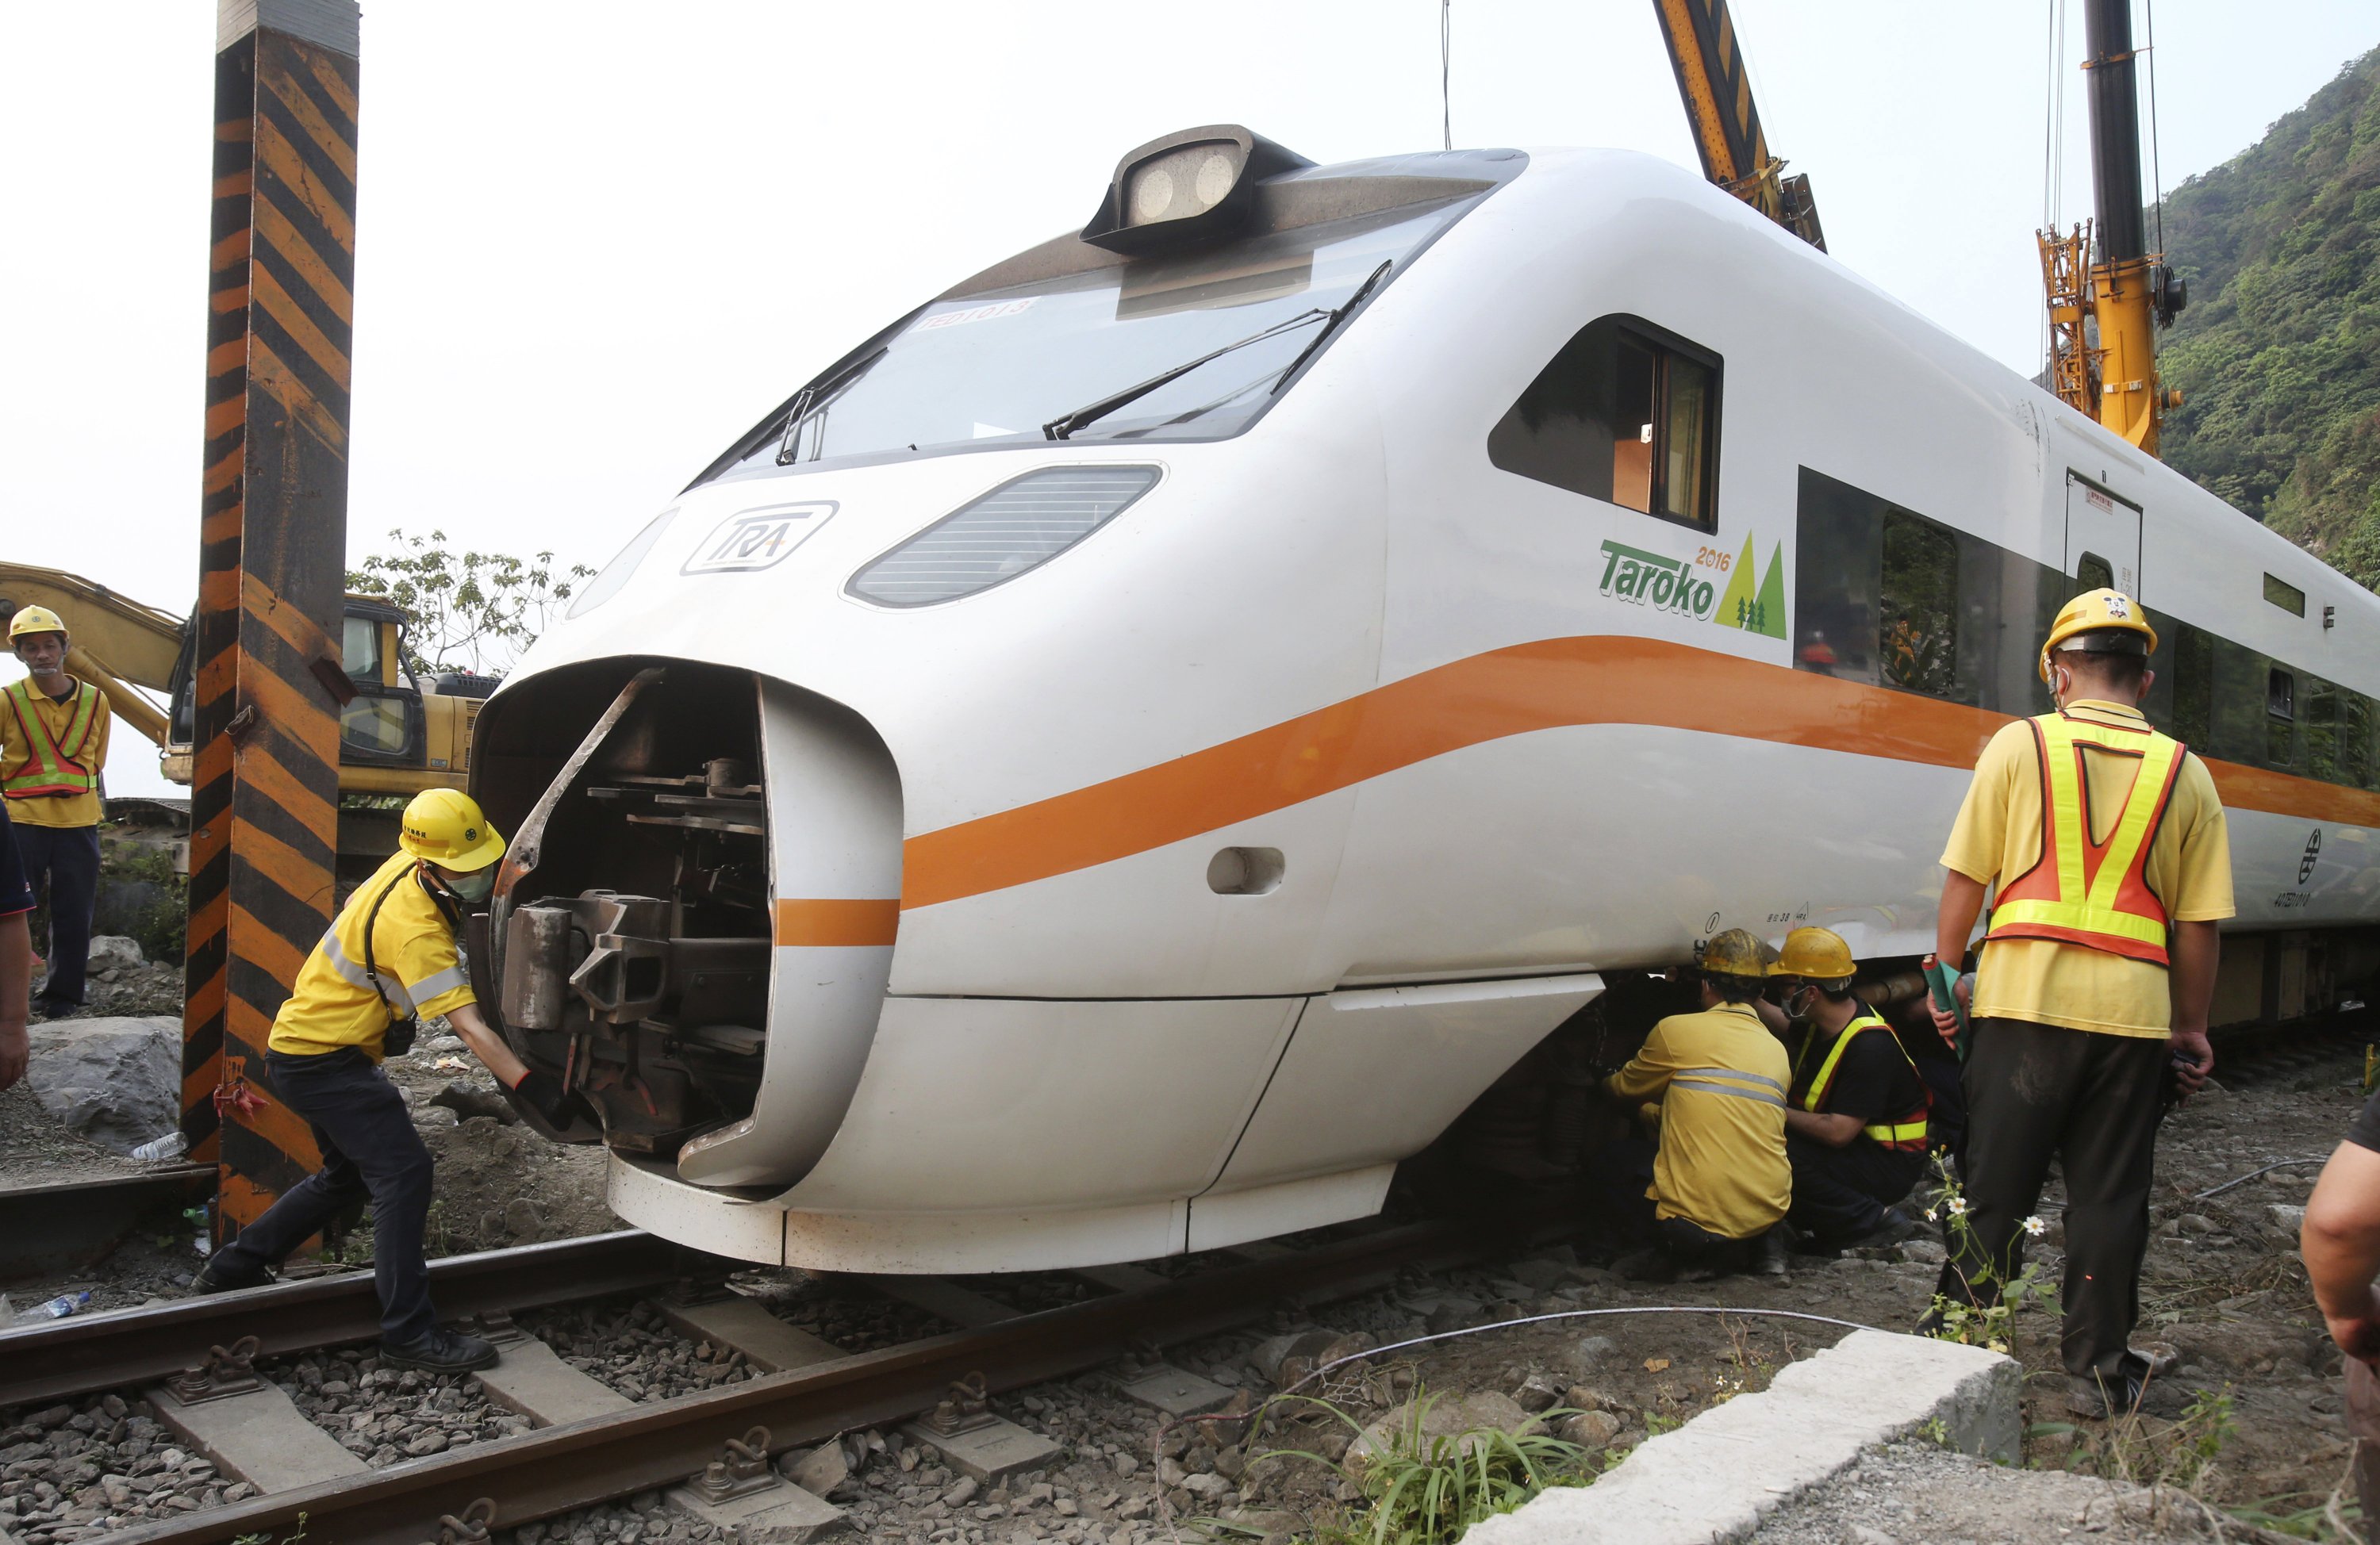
2107,842
388,958
1720,1181
1856,1114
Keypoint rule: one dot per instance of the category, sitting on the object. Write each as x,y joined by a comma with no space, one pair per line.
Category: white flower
2035,1226
1931,1214
1958,1205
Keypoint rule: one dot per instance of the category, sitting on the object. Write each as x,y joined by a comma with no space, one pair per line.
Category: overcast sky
597,240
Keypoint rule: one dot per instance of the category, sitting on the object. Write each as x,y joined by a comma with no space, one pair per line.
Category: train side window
2326,727
1627,412
2282,594
2280,717
2093,573
2193,684
1835,570
1918,615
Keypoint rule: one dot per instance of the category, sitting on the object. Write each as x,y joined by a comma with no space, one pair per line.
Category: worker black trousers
2092,1101
62,865
369,1148
1840,1194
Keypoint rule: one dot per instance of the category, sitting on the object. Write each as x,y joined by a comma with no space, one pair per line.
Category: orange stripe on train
1549,685
819,922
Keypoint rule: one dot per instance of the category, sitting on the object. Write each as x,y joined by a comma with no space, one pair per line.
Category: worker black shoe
1775,1247
215,1277
441,1351
2103,1398
1896,1227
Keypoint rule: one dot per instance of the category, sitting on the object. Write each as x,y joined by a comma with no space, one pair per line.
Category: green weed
1427,1488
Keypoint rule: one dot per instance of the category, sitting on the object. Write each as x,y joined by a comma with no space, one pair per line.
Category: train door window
2280,717
1627,412
2093,573
1918,609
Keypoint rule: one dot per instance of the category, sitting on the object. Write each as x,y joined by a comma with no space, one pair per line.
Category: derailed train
1129,753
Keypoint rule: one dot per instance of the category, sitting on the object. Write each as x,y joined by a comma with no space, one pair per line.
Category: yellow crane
2109,294
396,735
1700,36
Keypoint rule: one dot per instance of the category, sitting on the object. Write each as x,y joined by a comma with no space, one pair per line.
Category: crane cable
1446,70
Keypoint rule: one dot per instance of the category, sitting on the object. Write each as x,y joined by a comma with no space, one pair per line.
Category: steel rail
108,1351
556,1469
70,1225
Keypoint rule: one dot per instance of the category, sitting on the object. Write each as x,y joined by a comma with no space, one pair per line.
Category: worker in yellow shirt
2108,844
388,958
1721,1183
53,743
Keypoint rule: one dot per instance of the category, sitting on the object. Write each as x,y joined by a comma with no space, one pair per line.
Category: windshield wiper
1082,417
815,398
1337,314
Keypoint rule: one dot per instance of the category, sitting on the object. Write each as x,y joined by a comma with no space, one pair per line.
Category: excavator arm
119,644
1700,36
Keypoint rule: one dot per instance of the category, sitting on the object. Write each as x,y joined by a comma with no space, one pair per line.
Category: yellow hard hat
34,619
445,827
1736,953
1818,954
2093,611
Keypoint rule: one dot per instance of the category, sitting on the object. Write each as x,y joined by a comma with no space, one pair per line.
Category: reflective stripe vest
1906,1135
51,768
2089,893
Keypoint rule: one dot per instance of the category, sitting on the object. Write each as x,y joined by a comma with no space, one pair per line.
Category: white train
1029,805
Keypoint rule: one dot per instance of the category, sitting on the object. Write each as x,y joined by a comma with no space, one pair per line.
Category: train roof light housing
1185,190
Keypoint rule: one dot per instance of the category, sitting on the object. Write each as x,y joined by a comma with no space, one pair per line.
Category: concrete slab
767,1342
990,1453
1177,1392
534,1381
1715,1478
783,1514
944,1301
260,1437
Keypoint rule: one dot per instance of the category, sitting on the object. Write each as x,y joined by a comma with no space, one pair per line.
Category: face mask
477,886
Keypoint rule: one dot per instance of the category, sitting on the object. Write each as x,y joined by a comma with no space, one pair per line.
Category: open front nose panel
834,855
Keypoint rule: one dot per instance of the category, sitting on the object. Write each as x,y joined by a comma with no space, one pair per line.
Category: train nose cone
834,904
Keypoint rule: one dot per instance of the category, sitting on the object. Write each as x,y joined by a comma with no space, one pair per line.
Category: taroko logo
2313,852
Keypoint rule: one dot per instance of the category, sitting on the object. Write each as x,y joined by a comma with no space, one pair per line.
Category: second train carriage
1125,758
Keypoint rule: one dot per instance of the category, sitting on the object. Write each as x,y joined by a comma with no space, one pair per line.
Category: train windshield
999,365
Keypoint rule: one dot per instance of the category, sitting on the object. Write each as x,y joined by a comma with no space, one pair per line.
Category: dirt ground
2222,1283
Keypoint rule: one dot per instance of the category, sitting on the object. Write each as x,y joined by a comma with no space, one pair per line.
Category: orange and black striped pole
271,572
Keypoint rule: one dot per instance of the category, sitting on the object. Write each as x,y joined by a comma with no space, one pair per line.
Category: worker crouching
1721,1182
1856,1126
388,958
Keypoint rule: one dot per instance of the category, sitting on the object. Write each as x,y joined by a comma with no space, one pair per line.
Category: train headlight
606,584
1193,187
1013,529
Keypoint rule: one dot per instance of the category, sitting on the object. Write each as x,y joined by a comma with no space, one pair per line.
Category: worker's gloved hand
543,1093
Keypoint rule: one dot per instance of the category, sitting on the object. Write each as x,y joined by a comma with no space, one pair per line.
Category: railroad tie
247,1426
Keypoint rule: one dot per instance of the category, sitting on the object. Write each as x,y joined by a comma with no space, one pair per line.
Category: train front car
864,878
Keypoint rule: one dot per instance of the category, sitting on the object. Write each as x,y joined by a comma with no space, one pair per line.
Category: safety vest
1906,1135
50,769
2094,894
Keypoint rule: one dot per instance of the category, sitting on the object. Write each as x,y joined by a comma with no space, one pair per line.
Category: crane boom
1700,36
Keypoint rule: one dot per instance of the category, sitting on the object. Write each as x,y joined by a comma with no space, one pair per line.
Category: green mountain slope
2279,355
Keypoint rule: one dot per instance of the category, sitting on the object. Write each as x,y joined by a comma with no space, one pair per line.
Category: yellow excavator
399,735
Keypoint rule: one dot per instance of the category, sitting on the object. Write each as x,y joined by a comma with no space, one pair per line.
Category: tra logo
756,538
1684,589
2312,853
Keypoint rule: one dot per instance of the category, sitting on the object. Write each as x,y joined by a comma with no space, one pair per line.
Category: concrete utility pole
272,565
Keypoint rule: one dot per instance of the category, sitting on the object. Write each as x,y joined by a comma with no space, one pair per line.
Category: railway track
576,1464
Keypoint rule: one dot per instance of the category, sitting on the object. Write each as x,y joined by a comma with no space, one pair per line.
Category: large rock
114,952
115,1082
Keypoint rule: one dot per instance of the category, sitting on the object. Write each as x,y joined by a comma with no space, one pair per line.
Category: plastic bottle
172,1145
61,1306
